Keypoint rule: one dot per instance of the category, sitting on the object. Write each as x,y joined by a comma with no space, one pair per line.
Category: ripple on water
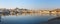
26,18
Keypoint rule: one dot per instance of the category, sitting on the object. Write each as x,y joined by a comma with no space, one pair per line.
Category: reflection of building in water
45,14
58,15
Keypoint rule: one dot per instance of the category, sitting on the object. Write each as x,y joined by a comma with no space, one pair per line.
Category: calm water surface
26,18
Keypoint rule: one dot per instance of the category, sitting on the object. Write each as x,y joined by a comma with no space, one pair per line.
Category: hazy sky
30,4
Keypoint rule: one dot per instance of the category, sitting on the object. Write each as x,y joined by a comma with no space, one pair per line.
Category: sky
30,4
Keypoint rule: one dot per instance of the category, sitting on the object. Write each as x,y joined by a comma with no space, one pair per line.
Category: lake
26,18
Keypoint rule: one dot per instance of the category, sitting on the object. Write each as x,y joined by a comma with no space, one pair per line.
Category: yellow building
44,11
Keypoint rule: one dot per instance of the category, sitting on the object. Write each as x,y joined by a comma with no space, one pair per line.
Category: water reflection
27,18
41,14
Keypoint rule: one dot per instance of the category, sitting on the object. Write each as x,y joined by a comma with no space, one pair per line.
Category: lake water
26,18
